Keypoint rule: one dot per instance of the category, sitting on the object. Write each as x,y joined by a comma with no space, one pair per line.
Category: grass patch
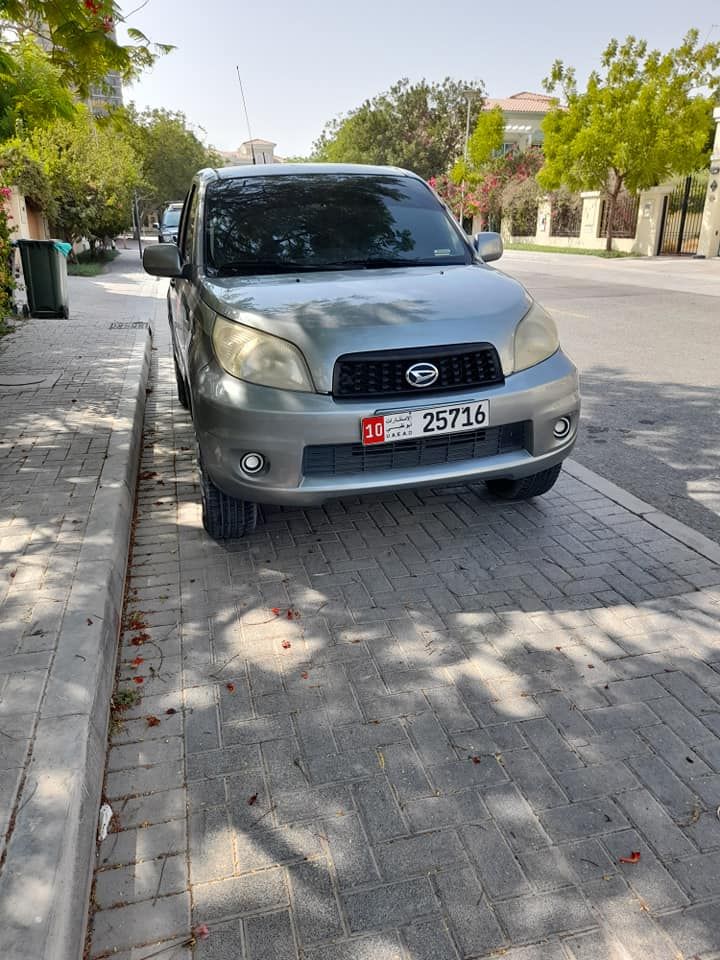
121,701
87,266
581,251
124,699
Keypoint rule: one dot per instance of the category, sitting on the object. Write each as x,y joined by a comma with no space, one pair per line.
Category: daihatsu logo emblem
422,374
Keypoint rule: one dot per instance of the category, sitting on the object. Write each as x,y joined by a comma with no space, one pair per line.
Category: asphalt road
645,335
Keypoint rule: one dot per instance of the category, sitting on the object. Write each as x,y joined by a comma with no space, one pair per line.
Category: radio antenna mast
247,118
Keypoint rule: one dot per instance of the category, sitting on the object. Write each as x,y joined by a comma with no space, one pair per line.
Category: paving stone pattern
412,727
60,384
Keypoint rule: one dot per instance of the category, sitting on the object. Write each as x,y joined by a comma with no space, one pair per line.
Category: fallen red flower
475,759
137,661
152,721
286,644
633,858
276,611
201,931
230,687
138,680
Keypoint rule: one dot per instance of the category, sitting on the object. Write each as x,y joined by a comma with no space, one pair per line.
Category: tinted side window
188,225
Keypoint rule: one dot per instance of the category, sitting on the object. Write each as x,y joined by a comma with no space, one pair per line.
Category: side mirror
156,225
162,260
488,245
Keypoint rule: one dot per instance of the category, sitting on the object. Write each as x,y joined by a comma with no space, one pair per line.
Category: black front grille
367,376
333,460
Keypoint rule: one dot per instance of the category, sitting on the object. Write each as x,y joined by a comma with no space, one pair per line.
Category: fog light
252,463
561,427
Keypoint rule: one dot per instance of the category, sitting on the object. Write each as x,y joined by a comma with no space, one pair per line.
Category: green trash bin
44,264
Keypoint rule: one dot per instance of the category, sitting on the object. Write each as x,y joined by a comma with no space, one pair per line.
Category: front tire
533,486
224,517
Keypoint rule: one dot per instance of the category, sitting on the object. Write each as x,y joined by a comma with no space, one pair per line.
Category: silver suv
335,333
168,226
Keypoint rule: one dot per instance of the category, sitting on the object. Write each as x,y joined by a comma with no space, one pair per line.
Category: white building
524,113
251,151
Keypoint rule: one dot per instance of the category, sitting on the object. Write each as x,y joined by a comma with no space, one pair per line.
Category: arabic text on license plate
423,423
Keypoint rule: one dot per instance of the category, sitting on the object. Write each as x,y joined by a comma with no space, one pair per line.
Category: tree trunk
611,205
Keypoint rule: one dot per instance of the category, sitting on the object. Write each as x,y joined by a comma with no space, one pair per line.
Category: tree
79,37
170,153
639,121
32,90
419,126
484,143
93,171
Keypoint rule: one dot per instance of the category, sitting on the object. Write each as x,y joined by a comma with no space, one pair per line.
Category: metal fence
566,217
625,216
682,216
523,222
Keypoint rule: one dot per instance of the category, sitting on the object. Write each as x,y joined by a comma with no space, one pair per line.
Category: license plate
424,423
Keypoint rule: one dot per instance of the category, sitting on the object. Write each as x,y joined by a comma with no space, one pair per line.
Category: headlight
536,338
259,358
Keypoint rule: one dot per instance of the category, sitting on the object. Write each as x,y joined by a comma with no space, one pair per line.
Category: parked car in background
169,221
335,333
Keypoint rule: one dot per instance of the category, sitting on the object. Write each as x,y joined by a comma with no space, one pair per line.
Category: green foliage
639,121
18,167
418,126
170,153
92,170
7,282
32,90
80,38
487,137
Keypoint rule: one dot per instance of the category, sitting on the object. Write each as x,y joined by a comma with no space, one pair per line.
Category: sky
303,63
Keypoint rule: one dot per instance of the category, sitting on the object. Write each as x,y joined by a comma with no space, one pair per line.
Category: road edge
675,528
51,854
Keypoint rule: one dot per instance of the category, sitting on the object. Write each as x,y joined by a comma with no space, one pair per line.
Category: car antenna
247,118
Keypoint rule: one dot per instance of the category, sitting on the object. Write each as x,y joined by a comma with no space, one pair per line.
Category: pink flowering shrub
483,194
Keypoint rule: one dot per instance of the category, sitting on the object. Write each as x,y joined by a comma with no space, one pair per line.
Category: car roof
293,169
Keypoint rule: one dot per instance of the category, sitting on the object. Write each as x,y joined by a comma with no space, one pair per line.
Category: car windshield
171,218
326,221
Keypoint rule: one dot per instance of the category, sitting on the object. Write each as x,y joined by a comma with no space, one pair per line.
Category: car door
182,294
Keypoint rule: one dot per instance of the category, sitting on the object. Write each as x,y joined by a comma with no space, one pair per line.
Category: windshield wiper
292,266
379,263
370,263
261,266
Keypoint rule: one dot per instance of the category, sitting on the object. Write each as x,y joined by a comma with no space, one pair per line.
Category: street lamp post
465,155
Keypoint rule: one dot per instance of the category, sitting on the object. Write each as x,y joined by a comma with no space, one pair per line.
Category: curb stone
45,884
675,528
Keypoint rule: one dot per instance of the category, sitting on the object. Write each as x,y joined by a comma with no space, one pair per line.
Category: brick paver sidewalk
413,727
65,389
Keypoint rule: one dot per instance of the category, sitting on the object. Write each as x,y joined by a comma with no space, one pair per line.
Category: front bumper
232,418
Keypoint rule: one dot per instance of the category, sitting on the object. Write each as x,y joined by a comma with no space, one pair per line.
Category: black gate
682,216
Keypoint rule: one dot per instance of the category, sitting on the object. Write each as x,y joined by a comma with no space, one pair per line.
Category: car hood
332,313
